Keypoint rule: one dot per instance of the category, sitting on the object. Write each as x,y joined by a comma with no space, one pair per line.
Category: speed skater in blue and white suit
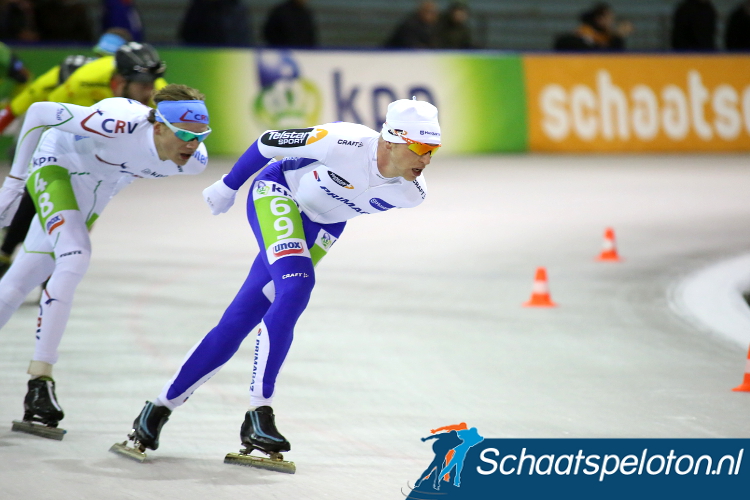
297,209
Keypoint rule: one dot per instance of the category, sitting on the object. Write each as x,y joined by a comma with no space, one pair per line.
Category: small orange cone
745,385
540,291
609,251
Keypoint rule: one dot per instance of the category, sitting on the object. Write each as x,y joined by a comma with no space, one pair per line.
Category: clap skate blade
136,452
274,462
38,429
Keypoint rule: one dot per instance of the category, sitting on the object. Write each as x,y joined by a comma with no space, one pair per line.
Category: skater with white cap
297,209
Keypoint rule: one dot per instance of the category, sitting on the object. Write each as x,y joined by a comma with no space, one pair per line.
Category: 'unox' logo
55,222
287,248
381,205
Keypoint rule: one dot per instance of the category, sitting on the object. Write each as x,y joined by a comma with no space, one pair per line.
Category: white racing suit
75,159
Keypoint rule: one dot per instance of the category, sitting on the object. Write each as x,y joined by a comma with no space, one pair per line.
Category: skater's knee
230,332
12,295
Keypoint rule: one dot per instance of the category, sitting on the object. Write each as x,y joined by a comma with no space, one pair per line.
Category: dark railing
505,26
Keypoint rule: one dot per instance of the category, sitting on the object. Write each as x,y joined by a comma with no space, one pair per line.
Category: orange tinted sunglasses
418,147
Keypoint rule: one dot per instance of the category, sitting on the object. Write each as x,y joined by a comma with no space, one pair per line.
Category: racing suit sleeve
312,143
250,162
70,118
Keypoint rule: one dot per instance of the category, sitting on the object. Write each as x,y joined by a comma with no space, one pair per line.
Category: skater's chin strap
39,369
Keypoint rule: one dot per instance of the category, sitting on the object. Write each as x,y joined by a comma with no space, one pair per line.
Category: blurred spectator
122,14
737,35
111,40
596,32
419,30
18,21
453,31
12,67
694,26
63,21
216,22
291,24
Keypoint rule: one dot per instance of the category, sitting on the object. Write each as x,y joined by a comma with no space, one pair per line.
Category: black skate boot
258,432
41,407
145,434
147,427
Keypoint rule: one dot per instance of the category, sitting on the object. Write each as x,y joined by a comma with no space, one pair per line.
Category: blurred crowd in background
694,25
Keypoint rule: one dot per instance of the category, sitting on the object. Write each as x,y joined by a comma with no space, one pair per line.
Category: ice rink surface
416,322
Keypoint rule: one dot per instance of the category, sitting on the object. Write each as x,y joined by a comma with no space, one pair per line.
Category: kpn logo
286,98
450,446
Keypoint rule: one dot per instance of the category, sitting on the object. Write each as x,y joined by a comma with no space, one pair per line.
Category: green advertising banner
480,97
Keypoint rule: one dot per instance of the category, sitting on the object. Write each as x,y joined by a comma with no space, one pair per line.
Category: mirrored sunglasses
185,135
418,147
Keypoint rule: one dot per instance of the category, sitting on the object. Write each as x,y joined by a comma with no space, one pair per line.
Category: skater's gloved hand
219,196
10,198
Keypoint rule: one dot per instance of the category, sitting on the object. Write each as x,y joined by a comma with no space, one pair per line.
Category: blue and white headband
182,112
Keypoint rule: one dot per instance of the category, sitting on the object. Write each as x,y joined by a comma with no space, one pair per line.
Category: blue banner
466,466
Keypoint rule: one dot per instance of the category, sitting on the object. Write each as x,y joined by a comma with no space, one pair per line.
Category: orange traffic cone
540,291
745,385
609,251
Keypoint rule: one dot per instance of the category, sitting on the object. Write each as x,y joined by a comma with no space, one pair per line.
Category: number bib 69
280,221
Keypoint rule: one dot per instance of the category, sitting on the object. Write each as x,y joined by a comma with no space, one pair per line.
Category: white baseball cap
416,120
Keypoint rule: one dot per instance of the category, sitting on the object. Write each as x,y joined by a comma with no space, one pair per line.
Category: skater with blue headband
73,160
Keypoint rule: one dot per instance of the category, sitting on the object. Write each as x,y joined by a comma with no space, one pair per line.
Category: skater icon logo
443,474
